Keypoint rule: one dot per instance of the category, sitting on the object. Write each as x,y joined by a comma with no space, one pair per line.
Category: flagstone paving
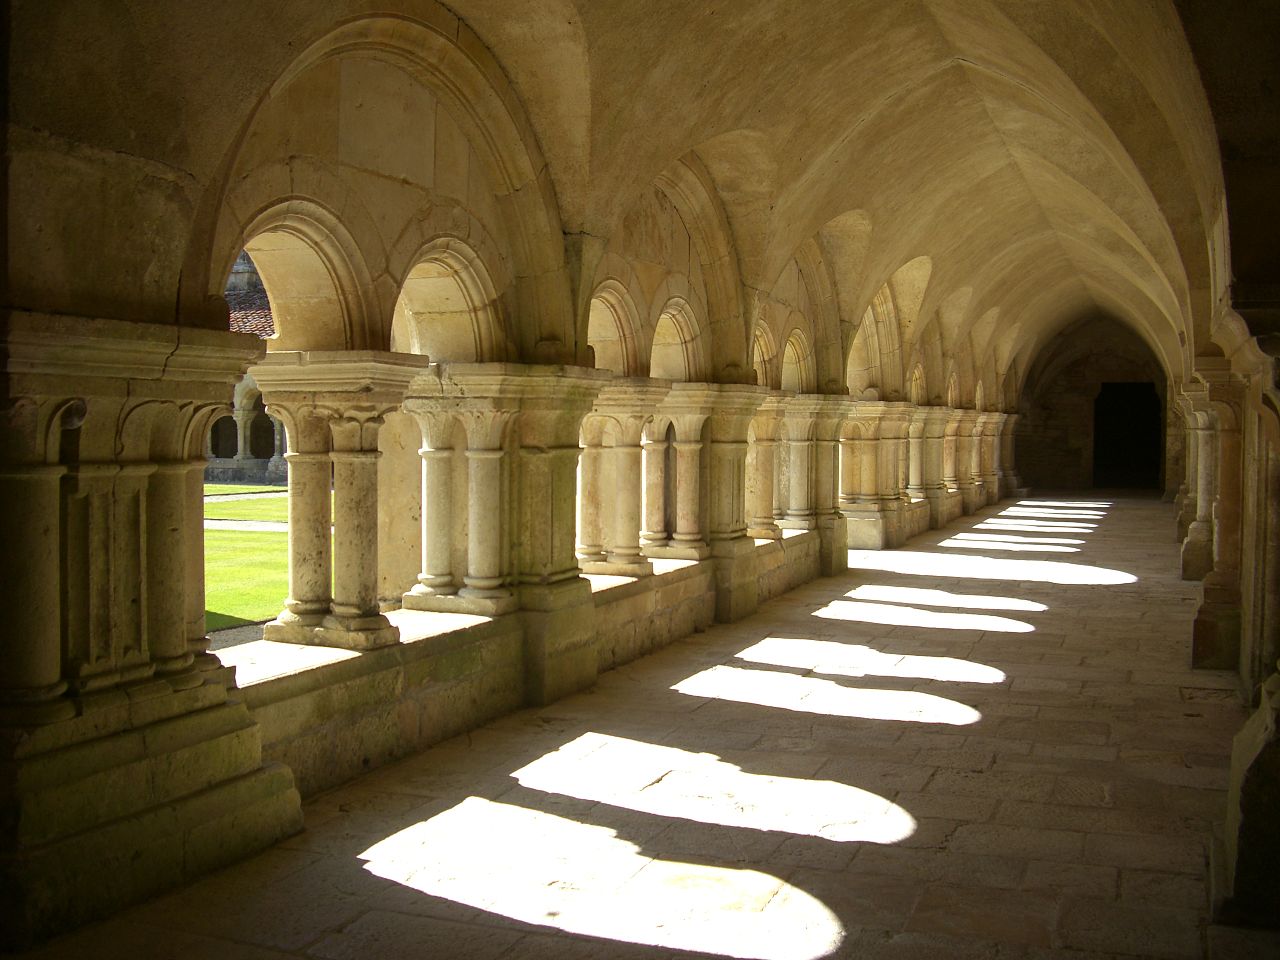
988,744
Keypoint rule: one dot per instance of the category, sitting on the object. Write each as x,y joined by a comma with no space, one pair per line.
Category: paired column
465,526
1010,482
655,534
686,408
333,407
798,426
354,619
915,454
989,455
1216,634
622,411
1197,548
761,472
438,455
244,423
591,506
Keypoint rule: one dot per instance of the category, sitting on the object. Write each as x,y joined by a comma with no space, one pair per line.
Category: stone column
732,407
354,620
591,534
1216,633
975,462
332,405
1197,549
243,419
557,609
655,534
966,447
688,531
98,701
941,509
628,466
951,451
915,454
310,523
1010,482
277,466
688,406
437,453
798,431
832,529
869,488
850,471
988,456
485,577
1187,492
31,684
166,550
629,405
761,473
871,513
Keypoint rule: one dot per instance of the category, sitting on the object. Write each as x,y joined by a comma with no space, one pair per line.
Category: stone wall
1054,433
330,715
787,563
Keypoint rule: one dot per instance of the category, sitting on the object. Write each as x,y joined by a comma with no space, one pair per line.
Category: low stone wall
787,563
333,721
636,618
331,714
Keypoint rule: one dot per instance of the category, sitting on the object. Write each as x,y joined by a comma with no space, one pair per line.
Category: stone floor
987,744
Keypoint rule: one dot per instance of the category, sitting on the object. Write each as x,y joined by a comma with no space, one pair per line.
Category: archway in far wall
1127,436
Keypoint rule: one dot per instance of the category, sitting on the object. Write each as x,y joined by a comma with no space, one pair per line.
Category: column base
769,531
833,550
736,577
357,633
100,821
944,506
972,496
1245,887
1215,635
991,486
1197,552
619,567
560,655
676,550
867,527
461,602
798,523
290,631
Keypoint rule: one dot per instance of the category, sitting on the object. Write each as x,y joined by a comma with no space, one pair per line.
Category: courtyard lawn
222,489
246,576
256,508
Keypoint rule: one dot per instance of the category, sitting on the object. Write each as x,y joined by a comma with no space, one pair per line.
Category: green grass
246,576
259,508
218,489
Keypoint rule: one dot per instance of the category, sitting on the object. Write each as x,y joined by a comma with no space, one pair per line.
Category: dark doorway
1127,436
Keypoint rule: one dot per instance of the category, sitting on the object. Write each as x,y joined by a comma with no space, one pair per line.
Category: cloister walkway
986,744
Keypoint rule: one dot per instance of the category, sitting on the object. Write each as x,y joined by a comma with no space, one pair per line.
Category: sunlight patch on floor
977,543
1087,504
856,660
941,598
1034,526
1053,514
859,611
785,691
543,869
984,568
1014,538
670,782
